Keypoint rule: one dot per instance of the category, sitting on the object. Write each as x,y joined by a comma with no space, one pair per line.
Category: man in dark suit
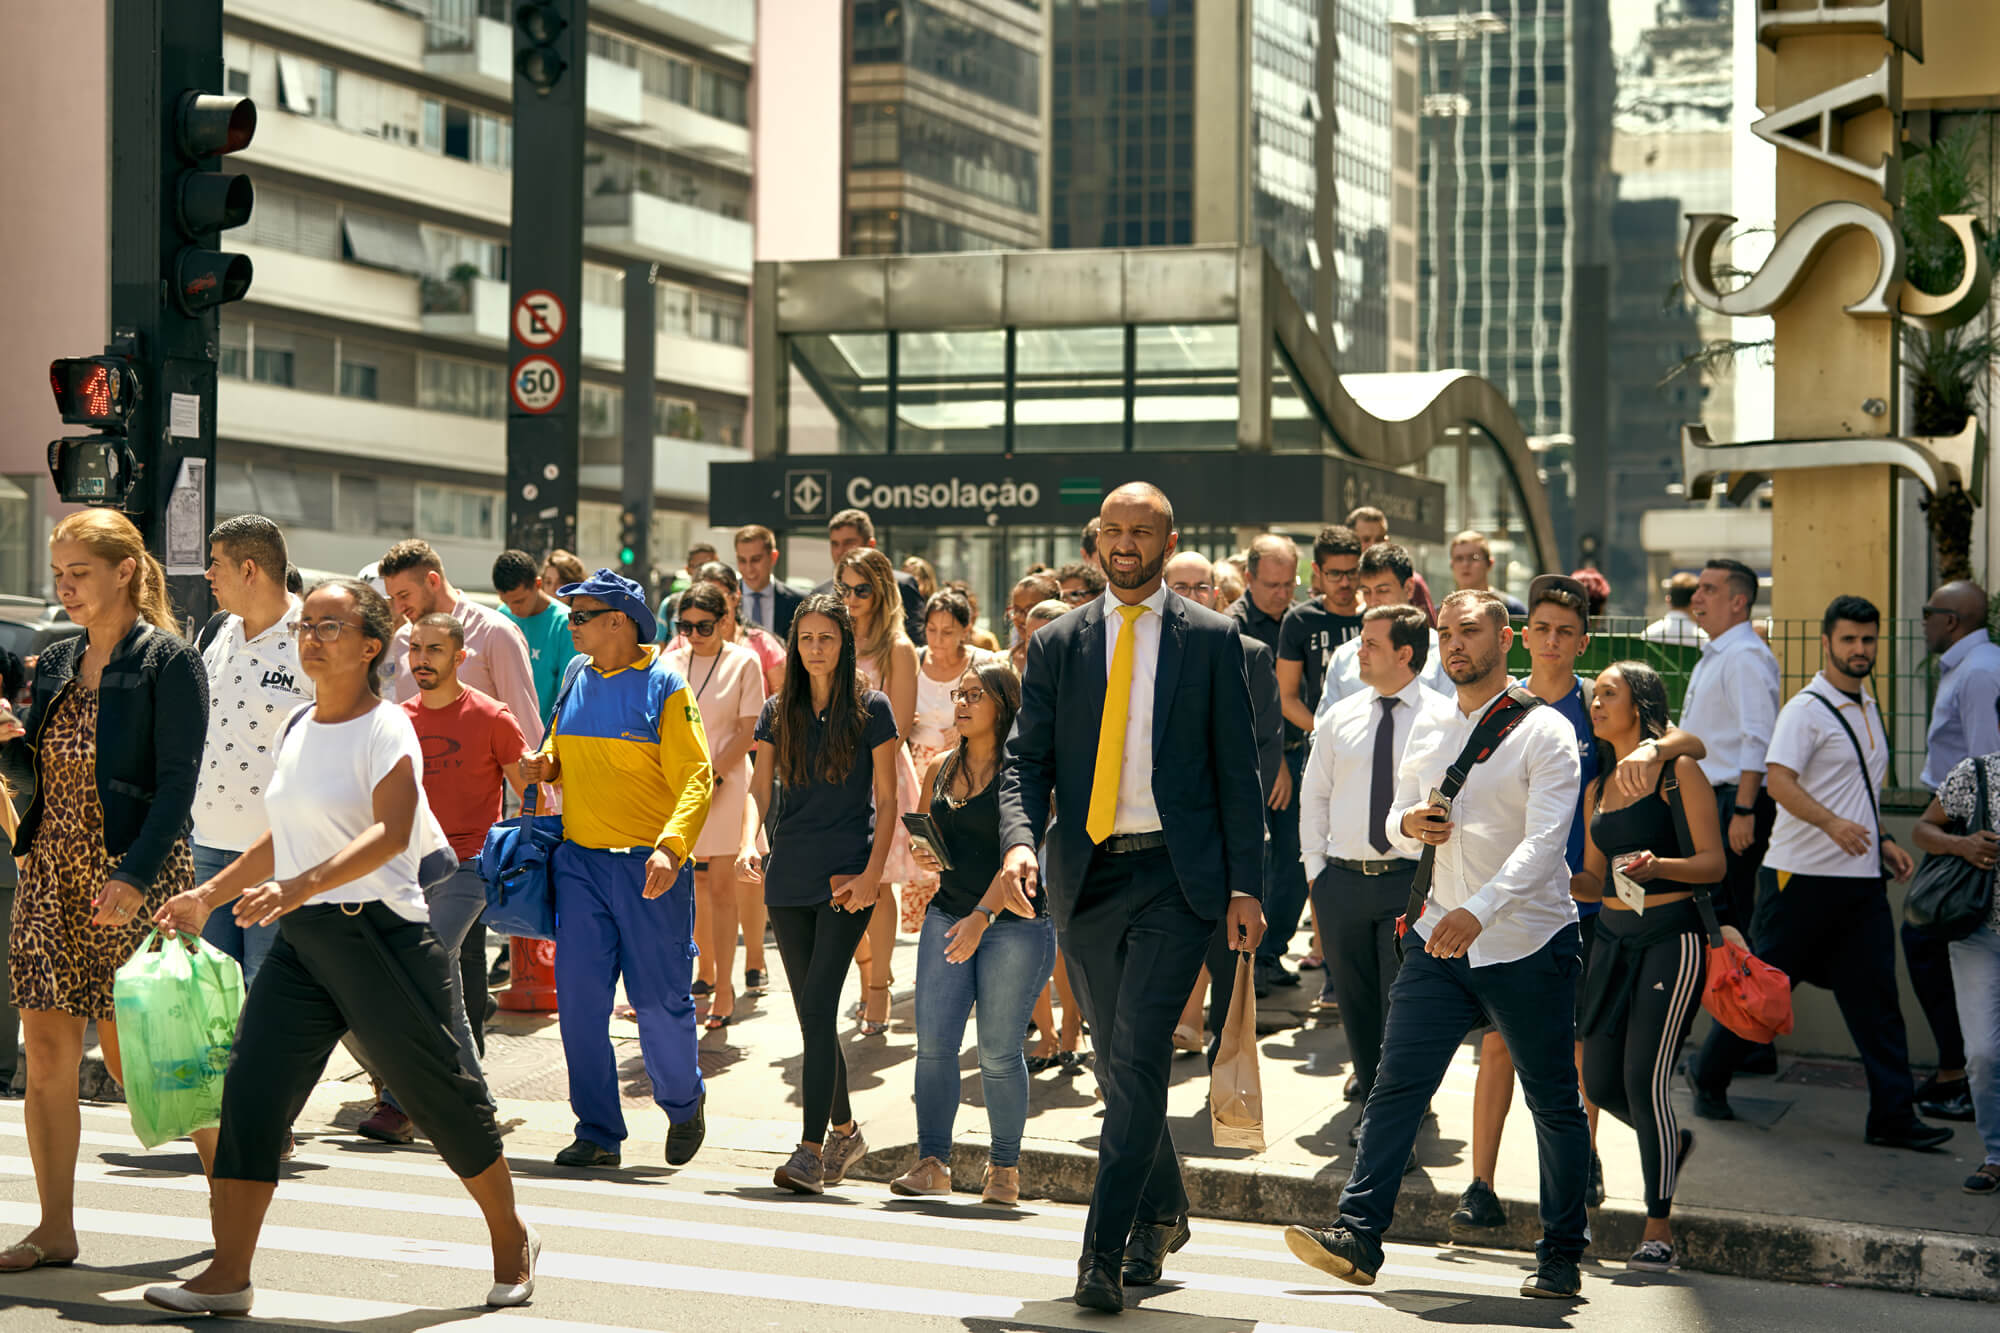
852,528
1157,836
768,602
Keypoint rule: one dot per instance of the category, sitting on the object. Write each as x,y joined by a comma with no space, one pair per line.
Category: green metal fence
1904,685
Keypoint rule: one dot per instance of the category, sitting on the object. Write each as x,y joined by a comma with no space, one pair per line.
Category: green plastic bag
177,1009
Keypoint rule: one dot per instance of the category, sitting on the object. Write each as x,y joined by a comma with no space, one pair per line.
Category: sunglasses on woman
695,629
860,592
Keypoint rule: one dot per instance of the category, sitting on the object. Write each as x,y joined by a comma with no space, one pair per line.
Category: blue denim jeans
1975,973
248,947
1001,981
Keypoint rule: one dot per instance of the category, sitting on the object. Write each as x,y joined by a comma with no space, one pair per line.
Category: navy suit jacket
785,601
1205,776
1268,712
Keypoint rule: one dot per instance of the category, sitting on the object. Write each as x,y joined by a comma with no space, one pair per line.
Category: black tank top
972,838
1646,825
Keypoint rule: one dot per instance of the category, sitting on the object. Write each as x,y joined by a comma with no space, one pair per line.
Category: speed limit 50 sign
536,384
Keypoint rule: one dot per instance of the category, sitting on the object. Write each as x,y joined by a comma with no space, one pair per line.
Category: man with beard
1497,939
1135,736
1822,904
496,655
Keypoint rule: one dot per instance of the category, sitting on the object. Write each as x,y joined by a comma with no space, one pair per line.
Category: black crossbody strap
1670,791
1860,755
1502,717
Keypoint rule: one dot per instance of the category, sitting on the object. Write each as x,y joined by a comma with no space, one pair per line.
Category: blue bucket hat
620,594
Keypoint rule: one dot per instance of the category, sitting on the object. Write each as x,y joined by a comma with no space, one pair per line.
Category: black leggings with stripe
1628,1063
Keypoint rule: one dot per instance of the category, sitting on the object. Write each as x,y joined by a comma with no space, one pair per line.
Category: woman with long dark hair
355,952
830,746
984,947
114,731
1647,962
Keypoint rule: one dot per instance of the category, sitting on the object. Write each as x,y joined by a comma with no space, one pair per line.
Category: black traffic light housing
629,541
536,59
206,202
100,391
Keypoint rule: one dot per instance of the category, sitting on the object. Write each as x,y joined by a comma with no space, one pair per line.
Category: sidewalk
1788,1193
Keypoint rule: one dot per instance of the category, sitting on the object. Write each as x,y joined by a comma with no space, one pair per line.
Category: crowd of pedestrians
1166,763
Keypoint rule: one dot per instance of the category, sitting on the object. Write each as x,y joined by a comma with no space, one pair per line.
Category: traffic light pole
545,263
157,57
636,493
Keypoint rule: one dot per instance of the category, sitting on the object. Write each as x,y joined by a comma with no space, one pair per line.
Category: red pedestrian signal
94,390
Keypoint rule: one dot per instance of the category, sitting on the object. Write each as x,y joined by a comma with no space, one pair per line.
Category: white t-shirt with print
322,797
253,686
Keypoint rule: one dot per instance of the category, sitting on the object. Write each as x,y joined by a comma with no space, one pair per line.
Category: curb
1761,1246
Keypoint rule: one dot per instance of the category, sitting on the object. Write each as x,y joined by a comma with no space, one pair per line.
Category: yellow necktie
1111,731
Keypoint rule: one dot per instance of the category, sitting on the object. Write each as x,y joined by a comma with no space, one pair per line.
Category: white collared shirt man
1732,703
1138,812
1809,741
253,686
1333,814
1343,677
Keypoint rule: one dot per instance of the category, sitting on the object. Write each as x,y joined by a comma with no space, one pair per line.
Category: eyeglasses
1192,589
326,631
1077,596
585,617
694,629
859,592
971,696
1339,575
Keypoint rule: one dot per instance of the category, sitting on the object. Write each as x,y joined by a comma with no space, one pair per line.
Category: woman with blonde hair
887,661
920,569
117,721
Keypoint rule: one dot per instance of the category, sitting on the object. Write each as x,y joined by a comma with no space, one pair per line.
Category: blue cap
620,594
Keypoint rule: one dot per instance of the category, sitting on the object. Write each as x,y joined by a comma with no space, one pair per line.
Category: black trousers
388,981
1284,871
1357,921
1834,932
1929,959
1134,949
1739,874
816,944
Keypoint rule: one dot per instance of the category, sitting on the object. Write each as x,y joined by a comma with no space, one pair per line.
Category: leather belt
1122,844
1388,867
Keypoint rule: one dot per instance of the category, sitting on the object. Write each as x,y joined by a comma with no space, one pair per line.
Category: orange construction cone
531,988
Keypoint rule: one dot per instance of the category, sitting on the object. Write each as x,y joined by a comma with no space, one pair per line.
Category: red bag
1743,992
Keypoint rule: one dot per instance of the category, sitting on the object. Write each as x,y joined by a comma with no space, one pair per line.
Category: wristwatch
1748,812
987,911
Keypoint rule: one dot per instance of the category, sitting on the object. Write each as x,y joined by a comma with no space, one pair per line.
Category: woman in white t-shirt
338,872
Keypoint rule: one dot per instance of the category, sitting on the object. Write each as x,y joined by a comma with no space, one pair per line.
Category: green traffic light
628,556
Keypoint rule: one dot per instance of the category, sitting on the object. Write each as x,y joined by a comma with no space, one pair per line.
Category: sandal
1986,1180
753,980
716,1022
40,1256
874,1027
701,988
1038,1063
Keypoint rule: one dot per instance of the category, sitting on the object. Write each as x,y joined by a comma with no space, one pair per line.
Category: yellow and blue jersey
632,758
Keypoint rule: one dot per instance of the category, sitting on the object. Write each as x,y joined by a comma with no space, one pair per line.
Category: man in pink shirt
496,656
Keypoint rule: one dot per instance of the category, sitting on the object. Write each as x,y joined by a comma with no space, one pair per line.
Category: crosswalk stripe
708,1232
606,1270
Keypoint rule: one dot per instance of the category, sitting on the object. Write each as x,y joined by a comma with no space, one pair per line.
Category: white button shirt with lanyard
1809,741
1505,860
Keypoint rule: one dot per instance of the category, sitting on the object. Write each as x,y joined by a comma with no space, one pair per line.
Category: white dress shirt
1343,676
1732,703
1138,812
1504,862
1340,773
1808,740
1965,719
1676,627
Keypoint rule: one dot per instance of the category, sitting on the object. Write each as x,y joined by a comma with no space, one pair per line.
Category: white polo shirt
1808,740
253,686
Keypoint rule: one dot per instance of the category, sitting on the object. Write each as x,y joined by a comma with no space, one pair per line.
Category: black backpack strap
1860,755
1505,713
1670,792
210,630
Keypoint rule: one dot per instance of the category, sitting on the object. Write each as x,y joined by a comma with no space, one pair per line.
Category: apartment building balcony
680,467
645,226
682,129
333,288
323,151
392,33
473,309
726,27
481,58
343,427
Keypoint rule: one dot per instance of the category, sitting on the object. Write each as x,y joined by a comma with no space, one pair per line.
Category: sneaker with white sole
927,1177
1652,1256
802,1173
842,1152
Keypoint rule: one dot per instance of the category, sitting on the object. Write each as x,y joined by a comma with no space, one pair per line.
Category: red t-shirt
466,744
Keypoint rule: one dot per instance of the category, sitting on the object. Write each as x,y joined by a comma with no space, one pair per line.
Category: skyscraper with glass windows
944,119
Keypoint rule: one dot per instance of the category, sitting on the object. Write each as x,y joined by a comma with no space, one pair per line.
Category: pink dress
919,885
729,693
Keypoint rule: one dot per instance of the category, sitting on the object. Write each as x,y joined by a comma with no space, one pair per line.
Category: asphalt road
365,1237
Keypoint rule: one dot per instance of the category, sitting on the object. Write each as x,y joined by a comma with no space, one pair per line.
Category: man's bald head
1142,493
1955,610
1190,575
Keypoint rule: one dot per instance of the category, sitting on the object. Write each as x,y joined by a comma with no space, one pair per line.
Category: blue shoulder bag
520,886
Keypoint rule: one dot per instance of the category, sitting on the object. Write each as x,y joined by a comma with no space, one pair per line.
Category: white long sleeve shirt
1732,703
1343,676
1505,860
1339,774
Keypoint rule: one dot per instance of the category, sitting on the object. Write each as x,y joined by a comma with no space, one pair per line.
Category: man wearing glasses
628,750
1080,582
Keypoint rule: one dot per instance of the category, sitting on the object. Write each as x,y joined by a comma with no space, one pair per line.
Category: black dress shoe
684,1138
1709,1105
585,1153
1914,1134
1097,1285
1945,1101
1336,1251
1146,1252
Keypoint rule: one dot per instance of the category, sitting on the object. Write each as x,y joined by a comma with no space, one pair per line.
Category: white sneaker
182,1301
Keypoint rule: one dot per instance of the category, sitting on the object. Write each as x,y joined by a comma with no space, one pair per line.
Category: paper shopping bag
1235,1092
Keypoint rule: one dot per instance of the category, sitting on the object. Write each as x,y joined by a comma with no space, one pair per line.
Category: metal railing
1904,684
